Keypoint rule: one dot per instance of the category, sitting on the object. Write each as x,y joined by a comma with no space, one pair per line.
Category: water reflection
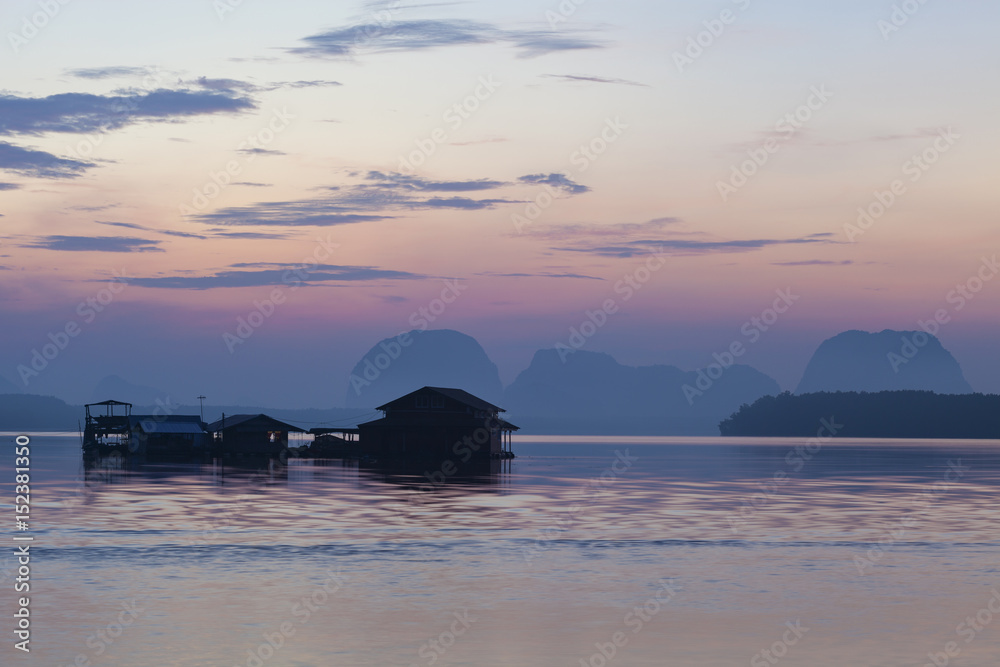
425,476
226,549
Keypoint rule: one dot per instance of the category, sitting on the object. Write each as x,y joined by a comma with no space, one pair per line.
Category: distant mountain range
577,393
592,393
884,361
437,358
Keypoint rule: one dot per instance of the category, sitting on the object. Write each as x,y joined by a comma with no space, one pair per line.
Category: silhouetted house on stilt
169,435
107,426
111,426
258,435
437,422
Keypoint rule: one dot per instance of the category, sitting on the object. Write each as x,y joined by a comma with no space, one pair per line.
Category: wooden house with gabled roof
438,422
257,435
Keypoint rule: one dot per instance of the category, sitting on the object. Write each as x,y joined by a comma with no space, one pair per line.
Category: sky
169,169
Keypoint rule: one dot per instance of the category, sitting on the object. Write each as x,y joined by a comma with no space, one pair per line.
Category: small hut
174,435
258,435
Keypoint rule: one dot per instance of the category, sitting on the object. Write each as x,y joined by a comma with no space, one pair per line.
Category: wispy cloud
415,183
307,84
305,213
249,235
275,274
462,203
226,85
379,196
919,133
579,78
260,151
114,72
83,112
560,181
544,274
417,35
29,162
685,246
804,137
9,186
815,262
94,244
534,43
167,232
476,142
623,230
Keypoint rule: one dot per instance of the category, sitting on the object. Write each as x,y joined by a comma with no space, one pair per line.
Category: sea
594,551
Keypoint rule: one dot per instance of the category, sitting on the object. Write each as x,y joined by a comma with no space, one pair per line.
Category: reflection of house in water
257,435
438,422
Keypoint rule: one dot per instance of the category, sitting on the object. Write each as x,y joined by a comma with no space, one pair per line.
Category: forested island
884,414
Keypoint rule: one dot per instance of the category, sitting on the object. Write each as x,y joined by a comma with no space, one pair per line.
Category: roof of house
459,395
165,418
151,426
503,424
235,420
108,403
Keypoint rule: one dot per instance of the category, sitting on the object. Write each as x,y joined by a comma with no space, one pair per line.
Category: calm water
583,542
